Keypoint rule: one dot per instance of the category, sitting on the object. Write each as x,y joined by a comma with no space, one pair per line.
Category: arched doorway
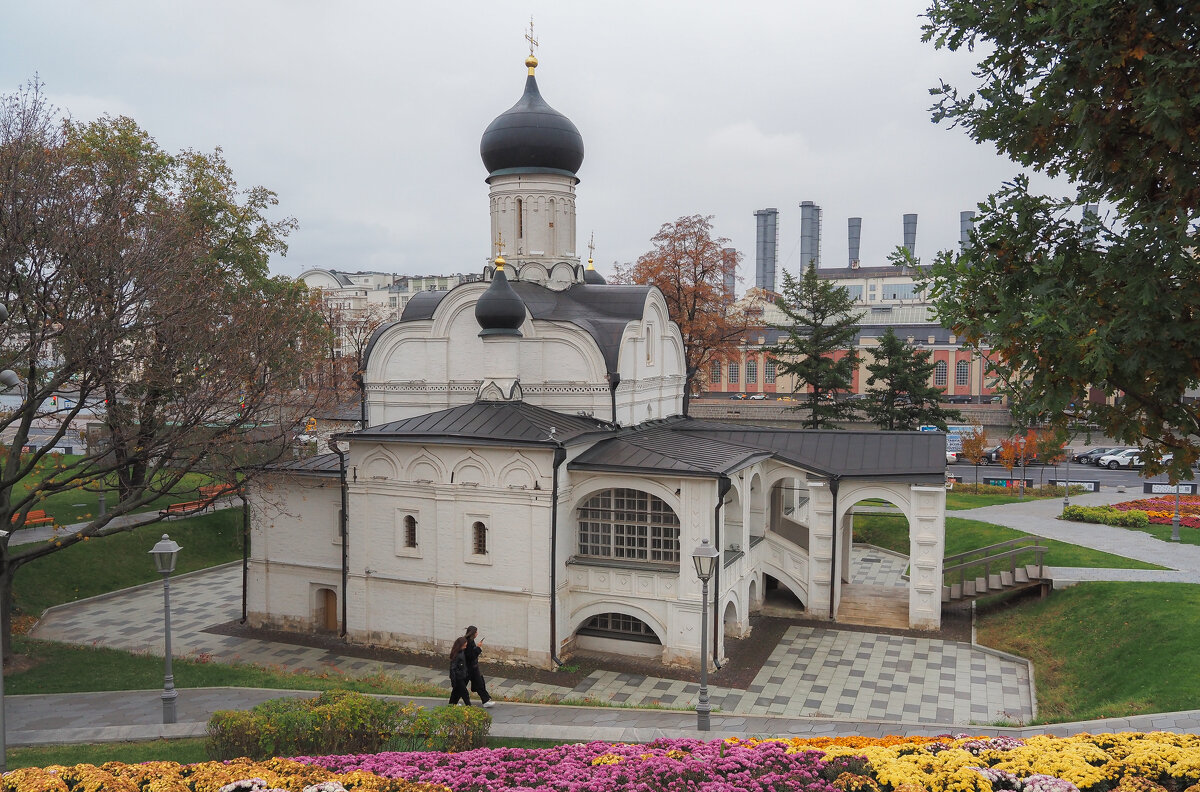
874,571
326,616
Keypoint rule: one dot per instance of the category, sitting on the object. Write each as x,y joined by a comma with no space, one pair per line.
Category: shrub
342,722
1106,515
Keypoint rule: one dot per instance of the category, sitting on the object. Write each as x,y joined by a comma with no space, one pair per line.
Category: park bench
36,517
186,507
214,491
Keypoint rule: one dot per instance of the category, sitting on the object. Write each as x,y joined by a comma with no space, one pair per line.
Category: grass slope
115,562
1103,650
890,531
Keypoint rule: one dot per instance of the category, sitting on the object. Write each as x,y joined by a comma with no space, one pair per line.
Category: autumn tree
1105,95
137,281
350,331
690,267
818,348
974,443
903,396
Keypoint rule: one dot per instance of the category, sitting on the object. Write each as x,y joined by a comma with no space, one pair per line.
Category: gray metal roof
319,465
602,310
709,448
486,423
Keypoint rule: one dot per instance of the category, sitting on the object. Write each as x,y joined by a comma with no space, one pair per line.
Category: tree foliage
902,395
819,346
974,443
690,266
1107,94
138,287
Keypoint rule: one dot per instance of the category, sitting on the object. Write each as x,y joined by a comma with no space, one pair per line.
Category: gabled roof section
711,448
486,423
603,311
319,465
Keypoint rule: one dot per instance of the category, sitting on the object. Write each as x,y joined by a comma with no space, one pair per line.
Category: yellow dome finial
531,61
499,244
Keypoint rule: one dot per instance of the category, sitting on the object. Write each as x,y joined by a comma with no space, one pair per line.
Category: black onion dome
591,276
531,134
499,310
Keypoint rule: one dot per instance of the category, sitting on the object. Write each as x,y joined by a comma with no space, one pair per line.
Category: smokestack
810,234
766,244
966,222
729,260
853,235
910,234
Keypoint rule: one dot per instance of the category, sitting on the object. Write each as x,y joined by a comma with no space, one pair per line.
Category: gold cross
499,243
591,246
529,36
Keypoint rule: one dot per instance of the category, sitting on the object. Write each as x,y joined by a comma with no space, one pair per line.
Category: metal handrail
986,556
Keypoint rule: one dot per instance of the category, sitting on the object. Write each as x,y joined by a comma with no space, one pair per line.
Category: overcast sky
365,117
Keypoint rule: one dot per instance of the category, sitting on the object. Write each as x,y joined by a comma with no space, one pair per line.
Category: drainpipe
833,572
614,379
560,456
245,549
343,528
723,485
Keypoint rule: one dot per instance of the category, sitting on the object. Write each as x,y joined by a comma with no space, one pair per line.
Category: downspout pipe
245,548
833,572
724,483
560,456
343,527
614,379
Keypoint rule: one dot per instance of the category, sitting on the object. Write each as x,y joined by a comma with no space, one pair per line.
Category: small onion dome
499,310
531,135
591,276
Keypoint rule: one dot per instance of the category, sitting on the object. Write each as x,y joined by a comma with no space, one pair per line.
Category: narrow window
715,375
939,373
962,373
520,220
410,531
751,371
479,538
769,372
733,373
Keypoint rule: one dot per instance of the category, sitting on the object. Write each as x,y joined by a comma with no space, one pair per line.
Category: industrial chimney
910,234
853,236
766,244
966,222
810,234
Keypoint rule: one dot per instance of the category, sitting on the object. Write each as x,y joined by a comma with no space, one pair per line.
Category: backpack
458,669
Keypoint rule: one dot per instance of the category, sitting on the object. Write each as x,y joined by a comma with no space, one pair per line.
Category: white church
525,466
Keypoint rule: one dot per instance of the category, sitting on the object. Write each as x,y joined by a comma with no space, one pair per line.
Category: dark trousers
458,692
477,684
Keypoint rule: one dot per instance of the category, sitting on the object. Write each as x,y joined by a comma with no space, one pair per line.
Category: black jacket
472,652
458,669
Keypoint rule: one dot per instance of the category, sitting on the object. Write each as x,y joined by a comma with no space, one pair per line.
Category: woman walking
472,652
459,675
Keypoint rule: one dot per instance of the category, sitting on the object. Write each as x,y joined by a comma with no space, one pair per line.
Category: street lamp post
705,559
1067,483
164,560
1175,517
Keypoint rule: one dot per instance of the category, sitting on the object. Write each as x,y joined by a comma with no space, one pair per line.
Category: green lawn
185,751
1163,532
890,531
1105,650
115,562
78,505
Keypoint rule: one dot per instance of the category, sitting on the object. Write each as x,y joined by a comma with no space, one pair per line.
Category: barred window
630,525
733,373
751,371
939,373
479,538
619,625
769,372
962,372
715,374
410,531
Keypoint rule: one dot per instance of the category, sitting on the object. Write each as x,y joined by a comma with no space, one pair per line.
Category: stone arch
730,624
325,609
518,474
425,467
533,272
473,469
756,514
562,274
591,487
753,598
380,464
581,615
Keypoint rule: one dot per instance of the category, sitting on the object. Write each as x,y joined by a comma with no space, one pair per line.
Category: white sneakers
489,703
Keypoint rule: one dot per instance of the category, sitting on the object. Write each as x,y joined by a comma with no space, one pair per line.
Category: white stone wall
544,229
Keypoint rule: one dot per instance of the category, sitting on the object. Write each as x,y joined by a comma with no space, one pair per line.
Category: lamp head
705,558
164,555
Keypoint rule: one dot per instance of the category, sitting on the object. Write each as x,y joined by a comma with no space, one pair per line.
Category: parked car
960,398
738,397
856,397
785,398
759,397
951,457
1125,458
1093,456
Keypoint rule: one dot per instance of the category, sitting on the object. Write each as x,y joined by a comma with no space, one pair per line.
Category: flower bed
1160,510
1127,762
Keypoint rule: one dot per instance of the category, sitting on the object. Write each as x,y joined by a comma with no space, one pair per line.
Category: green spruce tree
902,396
819,347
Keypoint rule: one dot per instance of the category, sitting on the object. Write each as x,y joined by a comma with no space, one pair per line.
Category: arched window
520,220
479,539
751,371
733,373
939,373
410,531
715,374
629,525
619,625
962,373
